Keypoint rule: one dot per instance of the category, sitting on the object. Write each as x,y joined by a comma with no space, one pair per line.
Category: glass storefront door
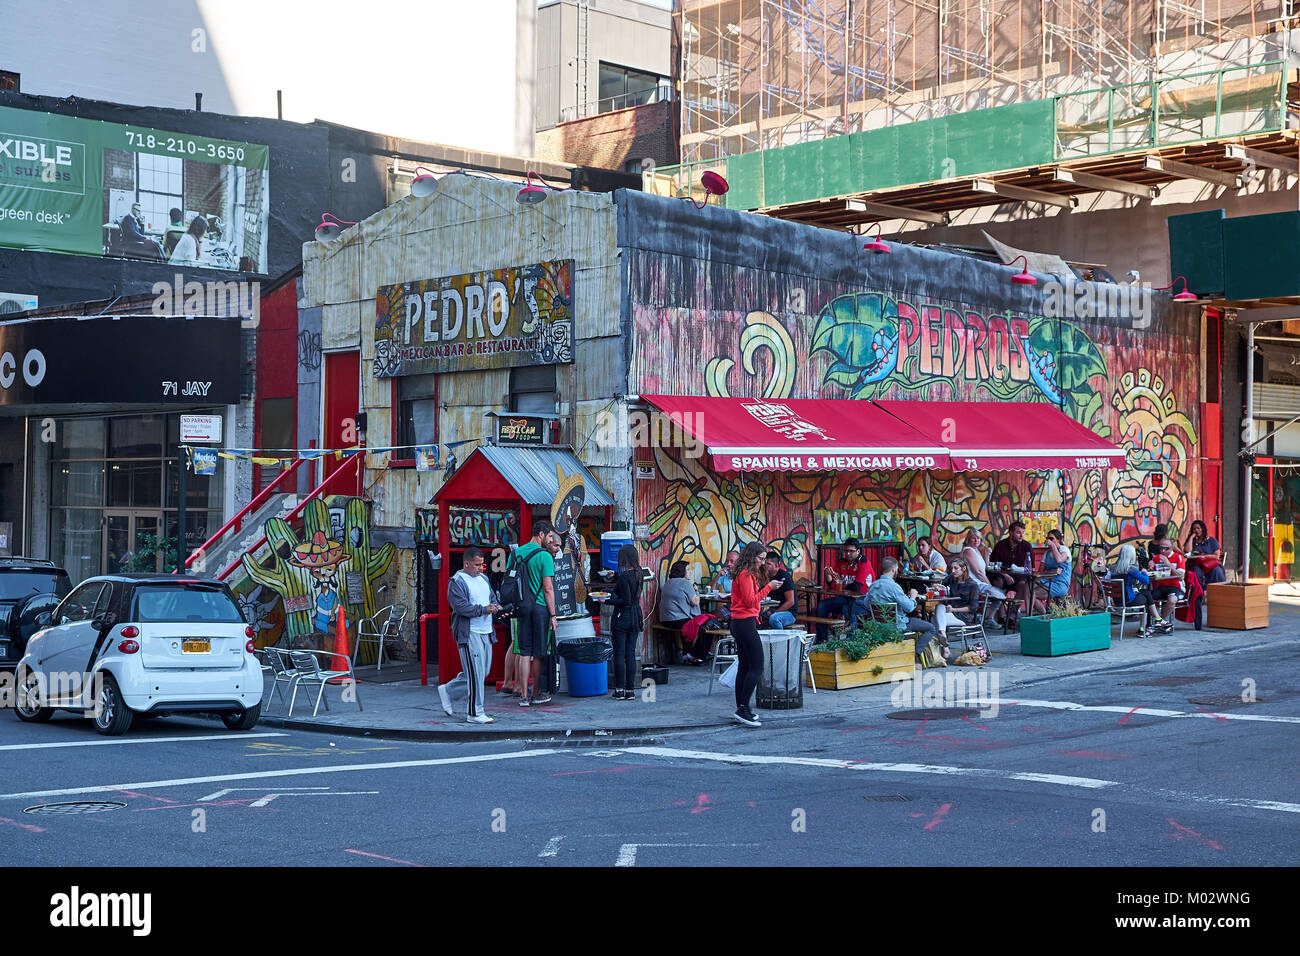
131,542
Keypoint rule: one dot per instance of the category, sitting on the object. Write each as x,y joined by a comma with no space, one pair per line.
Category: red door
342,402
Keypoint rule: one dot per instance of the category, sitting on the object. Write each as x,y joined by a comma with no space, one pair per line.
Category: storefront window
201,491
135,436
136,484
78,484
76,541
79,438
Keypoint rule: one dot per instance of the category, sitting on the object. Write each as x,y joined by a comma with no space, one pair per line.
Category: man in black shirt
782,592
1013,549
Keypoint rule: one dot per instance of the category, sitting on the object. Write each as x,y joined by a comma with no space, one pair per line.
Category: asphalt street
1162,764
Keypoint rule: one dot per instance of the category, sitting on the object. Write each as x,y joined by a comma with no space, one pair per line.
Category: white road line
132,740
1089,783
552,847
221,793
1138,711
627,852
269,774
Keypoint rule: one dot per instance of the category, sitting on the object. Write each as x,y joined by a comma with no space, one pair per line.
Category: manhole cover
1225,700
81,807
934,713
1165,682
887,798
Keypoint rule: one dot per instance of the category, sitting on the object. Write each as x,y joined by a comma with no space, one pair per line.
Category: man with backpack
529,590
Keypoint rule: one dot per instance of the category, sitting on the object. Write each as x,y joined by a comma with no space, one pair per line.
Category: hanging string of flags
426,456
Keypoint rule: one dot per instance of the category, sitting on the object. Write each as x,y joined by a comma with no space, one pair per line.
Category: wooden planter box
1236,606
1053,637
836,672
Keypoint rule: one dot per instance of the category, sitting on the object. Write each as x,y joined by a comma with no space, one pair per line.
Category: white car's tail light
248,632
130,631
250,647
128,647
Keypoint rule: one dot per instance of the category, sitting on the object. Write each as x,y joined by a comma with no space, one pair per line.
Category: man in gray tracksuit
472,604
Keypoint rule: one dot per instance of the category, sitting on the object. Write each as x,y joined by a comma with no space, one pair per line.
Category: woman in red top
749,587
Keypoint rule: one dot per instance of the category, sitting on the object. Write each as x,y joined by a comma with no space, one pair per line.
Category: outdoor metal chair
307,665
808,641
276,659
966,631
383,627
1115,605
724,652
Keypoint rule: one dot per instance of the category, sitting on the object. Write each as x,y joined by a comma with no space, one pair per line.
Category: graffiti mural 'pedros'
874,345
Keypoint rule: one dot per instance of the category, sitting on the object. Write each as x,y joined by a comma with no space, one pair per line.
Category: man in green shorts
535,620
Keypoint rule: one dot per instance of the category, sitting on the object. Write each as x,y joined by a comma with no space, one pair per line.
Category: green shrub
869,635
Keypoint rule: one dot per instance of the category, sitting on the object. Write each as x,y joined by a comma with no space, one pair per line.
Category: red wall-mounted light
1185,295
330,227
424,183
714,185
531,194
876,245
1022,277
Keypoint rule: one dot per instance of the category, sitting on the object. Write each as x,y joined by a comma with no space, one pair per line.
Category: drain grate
887,798
1165,681
1225,700
91,806
934,713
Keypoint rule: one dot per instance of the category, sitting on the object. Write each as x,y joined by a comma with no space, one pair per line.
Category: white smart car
125,644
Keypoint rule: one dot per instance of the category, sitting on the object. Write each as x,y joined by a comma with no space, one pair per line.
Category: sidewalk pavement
405,709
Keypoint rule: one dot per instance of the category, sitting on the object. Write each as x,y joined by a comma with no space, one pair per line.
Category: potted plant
1236,606
872,654
1066,628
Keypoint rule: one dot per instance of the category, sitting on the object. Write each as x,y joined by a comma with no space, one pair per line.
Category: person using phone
472,602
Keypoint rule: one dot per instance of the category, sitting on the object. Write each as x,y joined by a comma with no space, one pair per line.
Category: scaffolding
760,74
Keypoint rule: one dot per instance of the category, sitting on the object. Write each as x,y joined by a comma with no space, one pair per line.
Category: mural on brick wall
331,563
872,345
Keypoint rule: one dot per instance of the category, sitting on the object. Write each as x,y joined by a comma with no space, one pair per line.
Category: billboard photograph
103,189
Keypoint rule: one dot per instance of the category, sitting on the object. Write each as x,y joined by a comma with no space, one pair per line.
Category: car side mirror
43,620
104,621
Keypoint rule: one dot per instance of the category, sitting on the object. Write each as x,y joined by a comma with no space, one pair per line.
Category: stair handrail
238,520
315,493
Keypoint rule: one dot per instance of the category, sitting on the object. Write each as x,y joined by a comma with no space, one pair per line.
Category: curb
485,736
600,733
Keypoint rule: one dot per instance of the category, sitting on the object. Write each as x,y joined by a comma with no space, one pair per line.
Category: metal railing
235,523
1171,111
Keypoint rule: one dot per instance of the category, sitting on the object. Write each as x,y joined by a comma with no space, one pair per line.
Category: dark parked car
28,587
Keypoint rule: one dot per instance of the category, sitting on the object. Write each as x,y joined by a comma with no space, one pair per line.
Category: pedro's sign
499,319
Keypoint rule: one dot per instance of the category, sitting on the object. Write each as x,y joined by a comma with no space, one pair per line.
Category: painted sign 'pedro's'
498,319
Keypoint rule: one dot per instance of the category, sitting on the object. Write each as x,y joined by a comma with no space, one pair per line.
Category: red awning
999,436
790,434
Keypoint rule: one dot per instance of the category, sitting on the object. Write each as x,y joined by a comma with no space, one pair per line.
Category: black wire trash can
780,684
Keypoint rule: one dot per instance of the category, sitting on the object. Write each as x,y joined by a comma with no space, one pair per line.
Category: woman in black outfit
628,621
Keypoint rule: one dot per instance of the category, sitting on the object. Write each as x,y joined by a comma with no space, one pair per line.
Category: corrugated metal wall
471,224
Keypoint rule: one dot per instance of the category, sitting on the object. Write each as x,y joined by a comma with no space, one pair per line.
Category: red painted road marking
22,826
920,727
1012,823
1093,754
143,796
1125,718
938,817
1181,831
701,803
388,858
752,803
973,724
1213,714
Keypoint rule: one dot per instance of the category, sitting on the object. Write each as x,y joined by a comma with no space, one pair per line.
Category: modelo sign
154,360
499,319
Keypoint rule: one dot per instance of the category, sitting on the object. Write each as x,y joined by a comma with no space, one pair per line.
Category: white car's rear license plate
196,645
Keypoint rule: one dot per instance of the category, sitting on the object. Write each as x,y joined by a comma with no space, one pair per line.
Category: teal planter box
1047,637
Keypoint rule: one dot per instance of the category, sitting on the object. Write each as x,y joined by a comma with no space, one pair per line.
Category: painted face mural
747,340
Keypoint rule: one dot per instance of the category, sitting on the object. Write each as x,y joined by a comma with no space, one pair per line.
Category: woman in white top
973,552
189,247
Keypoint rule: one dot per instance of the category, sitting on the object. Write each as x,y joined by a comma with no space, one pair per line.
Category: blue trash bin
586,680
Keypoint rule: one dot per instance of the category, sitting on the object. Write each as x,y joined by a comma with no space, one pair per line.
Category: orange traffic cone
340,645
